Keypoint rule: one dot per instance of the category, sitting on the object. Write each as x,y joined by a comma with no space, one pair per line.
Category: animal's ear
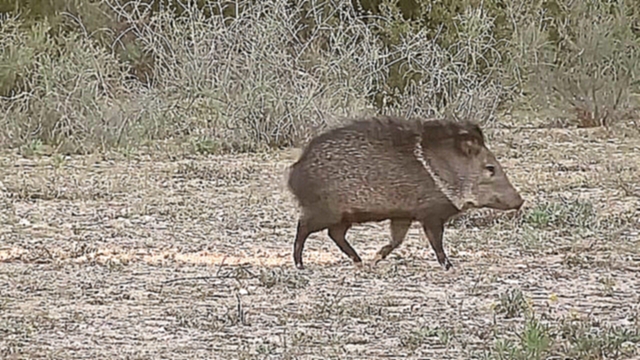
468,144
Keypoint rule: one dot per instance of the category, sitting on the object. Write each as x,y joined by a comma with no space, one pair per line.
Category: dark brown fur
373,170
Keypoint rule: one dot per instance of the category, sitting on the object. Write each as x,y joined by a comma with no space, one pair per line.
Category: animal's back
367,166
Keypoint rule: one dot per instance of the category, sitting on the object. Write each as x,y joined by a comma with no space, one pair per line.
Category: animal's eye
492,169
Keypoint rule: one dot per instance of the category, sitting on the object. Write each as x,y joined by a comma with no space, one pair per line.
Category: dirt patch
148,257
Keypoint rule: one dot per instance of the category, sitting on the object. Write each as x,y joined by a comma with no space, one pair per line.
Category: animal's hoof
376,259
446,265
299,266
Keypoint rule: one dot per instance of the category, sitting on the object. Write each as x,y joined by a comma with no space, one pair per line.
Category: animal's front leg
434,231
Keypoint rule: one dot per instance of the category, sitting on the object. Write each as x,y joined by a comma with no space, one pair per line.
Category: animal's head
470,175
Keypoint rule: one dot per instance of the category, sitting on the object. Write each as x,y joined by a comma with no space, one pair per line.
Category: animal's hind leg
337,233
399,228
305,228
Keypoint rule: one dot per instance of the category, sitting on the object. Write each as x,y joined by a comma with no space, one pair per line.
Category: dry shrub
276,72
237,84
458,81
73,94
579,57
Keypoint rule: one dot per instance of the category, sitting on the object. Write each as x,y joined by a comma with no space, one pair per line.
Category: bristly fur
404,170
414,134
401,131
439,130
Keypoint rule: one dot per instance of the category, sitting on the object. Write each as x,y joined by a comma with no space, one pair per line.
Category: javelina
391,168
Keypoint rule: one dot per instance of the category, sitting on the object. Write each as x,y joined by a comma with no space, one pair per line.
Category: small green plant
445,336
538,217
577,213
417,337
205,146
533,239
567,338
535,339
58,161
265,349
33,148
534,342
504,349
511,303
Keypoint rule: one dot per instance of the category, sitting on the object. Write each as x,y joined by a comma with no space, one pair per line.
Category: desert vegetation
143,147
244,75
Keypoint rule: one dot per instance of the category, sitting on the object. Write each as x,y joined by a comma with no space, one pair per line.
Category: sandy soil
163,257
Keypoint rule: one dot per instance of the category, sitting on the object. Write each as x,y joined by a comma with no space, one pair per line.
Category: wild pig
402,170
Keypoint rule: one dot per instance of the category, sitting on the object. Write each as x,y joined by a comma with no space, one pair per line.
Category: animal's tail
293,179
290,173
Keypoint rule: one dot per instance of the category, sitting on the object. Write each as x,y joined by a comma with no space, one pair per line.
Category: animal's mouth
512,205
516,204
468,205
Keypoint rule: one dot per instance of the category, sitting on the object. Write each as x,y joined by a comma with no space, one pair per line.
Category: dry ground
150,256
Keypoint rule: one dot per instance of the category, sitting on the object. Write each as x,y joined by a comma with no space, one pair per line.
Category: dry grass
228,85
146,256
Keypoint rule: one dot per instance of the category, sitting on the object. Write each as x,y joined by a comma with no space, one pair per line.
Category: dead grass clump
281,277
429,336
